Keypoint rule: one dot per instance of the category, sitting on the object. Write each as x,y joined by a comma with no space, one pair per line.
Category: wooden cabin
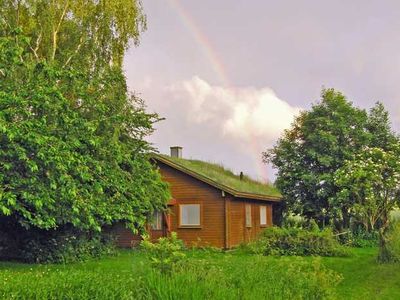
210,205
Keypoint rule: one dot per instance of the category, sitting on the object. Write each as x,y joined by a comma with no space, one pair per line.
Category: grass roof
225,177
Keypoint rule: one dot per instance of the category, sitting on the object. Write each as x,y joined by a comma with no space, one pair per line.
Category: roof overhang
215,184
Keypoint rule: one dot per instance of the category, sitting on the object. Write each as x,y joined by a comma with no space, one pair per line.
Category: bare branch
75,52
57,29
34,50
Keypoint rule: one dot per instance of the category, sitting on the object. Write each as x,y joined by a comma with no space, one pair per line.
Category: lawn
364,278
231,275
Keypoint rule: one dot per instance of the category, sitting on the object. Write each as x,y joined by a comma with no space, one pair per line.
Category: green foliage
217,276
165,255
308,154
317,145
258,279
63,245
85,34
72,150
370,181
391,252
379,125
360,238
298,242
66,247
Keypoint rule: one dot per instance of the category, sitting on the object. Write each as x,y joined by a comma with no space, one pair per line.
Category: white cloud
243,114
227,125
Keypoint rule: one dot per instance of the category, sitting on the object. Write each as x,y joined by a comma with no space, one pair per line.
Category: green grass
224,176
232,275
364,278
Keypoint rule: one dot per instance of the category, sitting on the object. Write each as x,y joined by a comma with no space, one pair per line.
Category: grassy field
231,275
363,278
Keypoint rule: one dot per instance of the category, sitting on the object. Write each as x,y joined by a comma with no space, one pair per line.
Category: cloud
227,125
243,114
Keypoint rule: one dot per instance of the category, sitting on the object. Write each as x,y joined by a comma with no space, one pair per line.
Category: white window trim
180,216
248,215
157,219
263,208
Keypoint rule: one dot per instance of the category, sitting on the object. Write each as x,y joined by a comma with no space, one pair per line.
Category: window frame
181,225
266,215
157,221
248,215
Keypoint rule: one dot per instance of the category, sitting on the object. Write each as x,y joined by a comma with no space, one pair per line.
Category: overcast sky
230,75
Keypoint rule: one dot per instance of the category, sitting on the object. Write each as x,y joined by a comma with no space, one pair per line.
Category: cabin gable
188,190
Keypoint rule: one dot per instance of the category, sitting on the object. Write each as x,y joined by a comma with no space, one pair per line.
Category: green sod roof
223,178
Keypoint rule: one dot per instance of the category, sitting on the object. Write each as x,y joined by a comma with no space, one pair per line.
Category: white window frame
156,221
181,207
263,215
248,216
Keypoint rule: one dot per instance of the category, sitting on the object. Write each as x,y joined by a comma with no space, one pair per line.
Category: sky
229,76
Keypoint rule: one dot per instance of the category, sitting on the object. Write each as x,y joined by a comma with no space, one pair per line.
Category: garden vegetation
295,241
73,154
338,165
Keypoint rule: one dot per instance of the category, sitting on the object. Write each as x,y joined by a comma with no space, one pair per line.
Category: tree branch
34,50
56,30
75,52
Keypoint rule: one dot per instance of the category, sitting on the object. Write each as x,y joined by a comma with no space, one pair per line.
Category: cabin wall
223,218
124,236
187,190
238,231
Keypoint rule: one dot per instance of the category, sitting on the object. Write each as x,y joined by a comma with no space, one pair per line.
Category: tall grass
205,276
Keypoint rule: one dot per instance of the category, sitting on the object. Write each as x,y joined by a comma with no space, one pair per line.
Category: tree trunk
346,218
385,255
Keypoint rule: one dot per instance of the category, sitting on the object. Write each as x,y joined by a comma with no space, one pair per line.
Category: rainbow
219,68
202,40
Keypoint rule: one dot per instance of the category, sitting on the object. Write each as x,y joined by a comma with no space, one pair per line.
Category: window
263,215
189,214
156,221
248,215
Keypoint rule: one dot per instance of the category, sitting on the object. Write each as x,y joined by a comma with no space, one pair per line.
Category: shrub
360,239
391,252
64,245
166,254
297,241
67,248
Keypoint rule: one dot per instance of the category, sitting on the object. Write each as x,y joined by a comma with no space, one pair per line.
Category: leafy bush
166,254
64,245
297,241
291,220
391,252
67,248
360,239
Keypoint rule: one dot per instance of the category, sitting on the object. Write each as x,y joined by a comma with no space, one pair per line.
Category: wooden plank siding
239,233
124,236
222,216
188,190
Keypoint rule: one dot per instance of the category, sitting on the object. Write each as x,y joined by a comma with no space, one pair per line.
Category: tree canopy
319,143
73,147
85,33
59,165
371,182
